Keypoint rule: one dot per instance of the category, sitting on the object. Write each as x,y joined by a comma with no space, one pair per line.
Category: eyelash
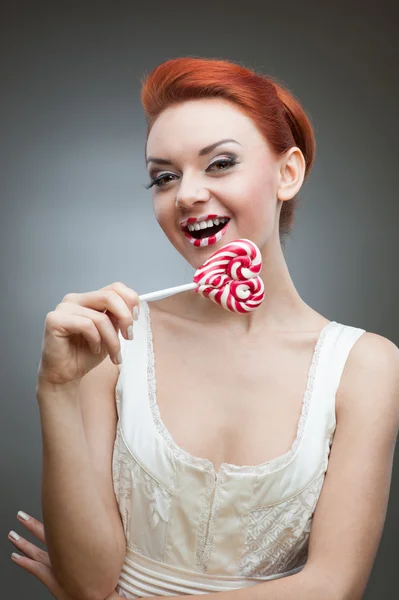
230,162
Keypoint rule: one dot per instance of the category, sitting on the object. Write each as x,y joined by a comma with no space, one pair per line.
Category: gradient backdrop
75,216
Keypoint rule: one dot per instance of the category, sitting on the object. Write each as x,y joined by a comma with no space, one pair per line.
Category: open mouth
207,231
208,235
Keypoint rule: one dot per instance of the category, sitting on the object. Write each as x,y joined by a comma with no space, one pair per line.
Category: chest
226,400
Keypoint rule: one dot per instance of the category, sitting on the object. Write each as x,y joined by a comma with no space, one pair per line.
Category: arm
84,532
37,562
350,514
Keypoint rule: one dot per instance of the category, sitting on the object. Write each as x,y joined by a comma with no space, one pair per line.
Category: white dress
190,530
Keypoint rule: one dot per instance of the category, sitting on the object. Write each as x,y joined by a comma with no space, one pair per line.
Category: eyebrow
206,150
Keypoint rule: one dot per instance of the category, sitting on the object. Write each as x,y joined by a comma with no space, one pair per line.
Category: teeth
205,224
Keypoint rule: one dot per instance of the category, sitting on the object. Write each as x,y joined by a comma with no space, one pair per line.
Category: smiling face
240,180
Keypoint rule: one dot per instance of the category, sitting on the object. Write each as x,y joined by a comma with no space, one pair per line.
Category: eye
158,180
228,162
223,161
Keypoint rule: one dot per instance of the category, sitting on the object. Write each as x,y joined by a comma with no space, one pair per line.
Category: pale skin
37,562
262,347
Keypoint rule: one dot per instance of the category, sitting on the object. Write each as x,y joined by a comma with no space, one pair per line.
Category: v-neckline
268,466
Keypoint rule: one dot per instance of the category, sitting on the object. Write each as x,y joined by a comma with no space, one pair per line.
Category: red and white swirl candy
230,277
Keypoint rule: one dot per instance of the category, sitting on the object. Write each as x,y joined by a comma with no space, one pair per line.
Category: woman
255,460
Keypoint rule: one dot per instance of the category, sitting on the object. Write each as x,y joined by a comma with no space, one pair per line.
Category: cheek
160,211
165,215
259,193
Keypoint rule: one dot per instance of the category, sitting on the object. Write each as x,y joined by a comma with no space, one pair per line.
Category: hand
82,331
37,561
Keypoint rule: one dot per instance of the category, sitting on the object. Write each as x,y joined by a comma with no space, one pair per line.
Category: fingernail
14,535
23,515
16,555
135,313
119,357
130,332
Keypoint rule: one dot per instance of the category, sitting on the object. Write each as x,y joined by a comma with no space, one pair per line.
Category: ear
291,174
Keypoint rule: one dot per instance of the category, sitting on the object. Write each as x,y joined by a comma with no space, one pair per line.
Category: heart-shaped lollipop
228,278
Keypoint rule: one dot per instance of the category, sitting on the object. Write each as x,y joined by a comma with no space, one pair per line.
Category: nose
188,195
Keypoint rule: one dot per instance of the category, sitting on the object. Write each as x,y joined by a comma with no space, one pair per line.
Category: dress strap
332,362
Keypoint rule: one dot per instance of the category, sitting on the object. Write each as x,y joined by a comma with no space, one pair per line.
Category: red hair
272,107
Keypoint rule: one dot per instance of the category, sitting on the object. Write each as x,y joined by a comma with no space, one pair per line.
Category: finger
116,298
33,525
40,571
130,296
95,327
29,549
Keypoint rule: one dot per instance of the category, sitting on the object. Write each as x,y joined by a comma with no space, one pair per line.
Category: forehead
197,123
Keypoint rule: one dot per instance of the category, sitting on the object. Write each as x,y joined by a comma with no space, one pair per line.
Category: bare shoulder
370,380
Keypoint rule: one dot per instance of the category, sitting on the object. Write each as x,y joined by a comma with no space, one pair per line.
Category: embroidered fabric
121,463
181,454
207,520
127,476
278,536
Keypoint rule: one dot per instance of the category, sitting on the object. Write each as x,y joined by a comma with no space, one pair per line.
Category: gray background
75,216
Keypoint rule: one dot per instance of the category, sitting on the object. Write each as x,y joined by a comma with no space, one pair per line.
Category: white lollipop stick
168,292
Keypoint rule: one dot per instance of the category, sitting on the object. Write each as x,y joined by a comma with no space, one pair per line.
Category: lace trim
262,469
178,452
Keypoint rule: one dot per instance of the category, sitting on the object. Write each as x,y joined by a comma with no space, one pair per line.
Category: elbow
319,585
97,591
97,595
343,590
92,579
96,587
329,589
